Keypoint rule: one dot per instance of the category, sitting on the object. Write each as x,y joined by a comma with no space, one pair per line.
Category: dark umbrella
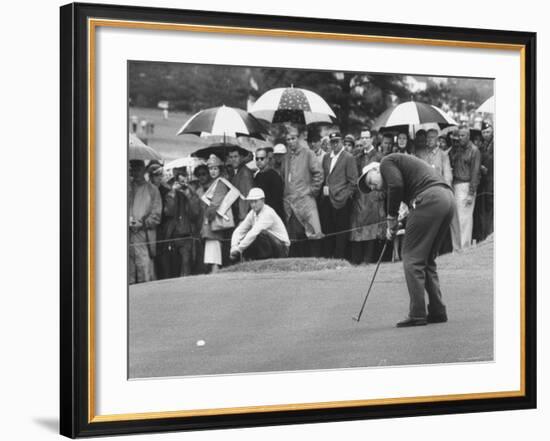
220,149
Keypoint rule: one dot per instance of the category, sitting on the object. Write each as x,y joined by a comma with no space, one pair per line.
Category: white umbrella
292,104
488,106
139,150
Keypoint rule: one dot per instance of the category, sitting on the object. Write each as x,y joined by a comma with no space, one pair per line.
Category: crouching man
262,233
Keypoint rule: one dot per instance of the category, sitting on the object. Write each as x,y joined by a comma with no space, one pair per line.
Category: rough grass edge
287,264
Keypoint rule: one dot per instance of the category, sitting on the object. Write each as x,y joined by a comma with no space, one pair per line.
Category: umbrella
223,121
413,113
139,150
488,106
292,105
220,149
186,161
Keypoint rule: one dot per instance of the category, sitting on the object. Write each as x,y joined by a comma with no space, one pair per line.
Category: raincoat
217,201
303,176
145,206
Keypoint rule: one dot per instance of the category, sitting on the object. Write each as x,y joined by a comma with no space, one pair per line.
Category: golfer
262,233
408,179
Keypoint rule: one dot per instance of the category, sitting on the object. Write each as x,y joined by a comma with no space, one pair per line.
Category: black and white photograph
284,220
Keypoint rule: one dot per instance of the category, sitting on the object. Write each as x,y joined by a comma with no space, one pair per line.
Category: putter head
355,318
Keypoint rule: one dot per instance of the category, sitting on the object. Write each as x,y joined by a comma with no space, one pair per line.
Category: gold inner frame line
92,24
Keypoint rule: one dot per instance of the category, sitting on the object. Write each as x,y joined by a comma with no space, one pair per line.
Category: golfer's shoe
409,321
436,318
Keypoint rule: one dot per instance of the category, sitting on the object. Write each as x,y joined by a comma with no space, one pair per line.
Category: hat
168,177
137,163
365,133
198,168
279,149
420,132
486,124
349,138
361,182
155,169
214,161
334,135
255,193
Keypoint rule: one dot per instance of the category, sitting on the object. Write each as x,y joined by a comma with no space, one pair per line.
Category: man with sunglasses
270,182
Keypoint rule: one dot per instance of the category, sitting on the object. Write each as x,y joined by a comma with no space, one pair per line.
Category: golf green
239,322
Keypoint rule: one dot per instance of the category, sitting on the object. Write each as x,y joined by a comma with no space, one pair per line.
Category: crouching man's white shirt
253,224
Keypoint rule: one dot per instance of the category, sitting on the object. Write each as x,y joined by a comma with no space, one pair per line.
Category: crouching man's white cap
362,182
255,193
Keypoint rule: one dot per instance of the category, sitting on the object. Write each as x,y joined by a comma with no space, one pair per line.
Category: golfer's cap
334,135
255,193
361,182
279,149
155,169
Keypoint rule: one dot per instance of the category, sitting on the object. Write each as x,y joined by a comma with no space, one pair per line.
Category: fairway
170,146
285,321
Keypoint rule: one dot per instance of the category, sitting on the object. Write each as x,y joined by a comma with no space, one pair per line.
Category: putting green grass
266,320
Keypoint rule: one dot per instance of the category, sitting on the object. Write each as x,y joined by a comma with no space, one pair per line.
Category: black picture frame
76,417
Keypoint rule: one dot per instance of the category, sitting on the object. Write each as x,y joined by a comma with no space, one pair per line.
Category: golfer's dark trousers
266,246
427,225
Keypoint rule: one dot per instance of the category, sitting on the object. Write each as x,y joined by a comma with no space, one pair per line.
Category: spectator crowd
299,200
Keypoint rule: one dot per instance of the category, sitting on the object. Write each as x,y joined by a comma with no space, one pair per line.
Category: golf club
371,282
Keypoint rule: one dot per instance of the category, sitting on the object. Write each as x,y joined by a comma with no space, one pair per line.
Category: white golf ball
201,342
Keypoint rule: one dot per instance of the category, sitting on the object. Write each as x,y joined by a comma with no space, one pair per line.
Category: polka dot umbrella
294,105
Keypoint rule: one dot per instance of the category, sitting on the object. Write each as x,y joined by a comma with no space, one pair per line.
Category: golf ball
201,342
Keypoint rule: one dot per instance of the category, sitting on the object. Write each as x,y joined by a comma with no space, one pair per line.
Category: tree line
356,98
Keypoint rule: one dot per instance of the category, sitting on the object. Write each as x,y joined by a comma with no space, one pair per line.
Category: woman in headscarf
218,218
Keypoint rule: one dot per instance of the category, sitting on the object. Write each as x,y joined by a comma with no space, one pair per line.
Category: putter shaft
358,318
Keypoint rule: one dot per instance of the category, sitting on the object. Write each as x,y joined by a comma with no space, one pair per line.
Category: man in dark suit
270,182
340,172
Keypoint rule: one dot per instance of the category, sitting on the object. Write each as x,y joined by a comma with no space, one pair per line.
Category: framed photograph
277,220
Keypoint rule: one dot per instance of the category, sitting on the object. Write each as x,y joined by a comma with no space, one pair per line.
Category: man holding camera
181,210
